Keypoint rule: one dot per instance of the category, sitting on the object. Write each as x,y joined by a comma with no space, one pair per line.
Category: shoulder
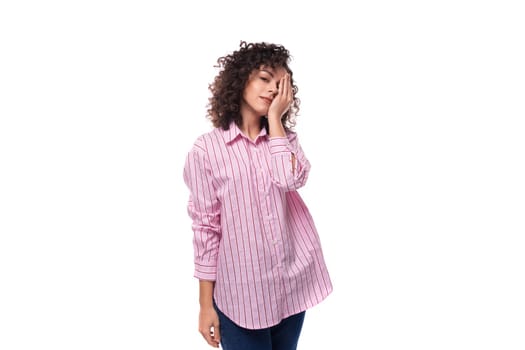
206,140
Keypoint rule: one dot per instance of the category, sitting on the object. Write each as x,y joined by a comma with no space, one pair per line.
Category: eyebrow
267,71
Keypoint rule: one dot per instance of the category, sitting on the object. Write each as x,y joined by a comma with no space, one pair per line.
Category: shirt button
275,242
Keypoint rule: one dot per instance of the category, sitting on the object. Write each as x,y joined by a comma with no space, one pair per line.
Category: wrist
276,128
206,294
206,305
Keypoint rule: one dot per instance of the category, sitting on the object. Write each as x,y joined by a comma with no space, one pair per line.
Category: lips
267,99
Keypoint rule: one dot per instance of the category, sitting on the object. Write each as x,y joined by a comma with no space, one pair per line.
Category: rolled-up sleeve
204,210
287,173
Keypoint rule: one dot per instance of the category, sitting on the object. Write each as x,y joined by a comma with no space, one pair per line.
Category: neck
251,127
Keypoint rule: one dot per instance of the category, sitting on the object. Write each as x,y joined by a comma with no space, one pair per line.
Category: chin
263,112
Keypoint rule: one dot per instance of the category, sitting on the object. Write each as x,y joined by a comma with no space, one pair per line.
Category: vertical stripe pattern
253,234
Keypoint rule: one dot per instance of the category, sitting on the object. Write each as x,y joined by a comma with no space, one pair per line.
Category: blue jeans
283,336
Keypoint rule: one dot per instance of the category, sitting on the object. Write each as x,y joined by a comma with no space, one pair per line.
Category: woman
258,257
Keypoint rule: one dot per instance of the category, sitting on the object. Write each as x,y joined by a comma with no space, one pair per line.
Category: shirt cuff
279,145
203,272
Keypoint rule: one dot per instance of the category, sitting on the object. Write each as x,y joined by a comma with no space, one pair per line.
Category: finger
217,334
208,336
282,87
285,88
290,88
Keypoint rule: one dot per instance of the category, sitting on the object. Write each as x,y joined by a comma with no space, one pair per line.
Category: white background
412,117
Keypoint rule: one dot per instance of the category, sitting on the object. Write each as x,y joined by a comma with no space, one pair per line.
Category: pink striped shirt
253,234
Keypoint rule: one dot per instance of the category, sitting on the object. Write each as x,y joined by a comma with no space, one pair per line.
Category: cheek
251,91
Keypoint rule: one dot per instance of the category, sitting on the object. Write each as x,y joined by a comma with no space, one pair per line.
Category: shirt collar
233,133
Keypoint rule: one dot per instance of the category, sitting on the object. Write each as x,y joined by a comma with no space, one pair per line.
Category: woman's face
260,89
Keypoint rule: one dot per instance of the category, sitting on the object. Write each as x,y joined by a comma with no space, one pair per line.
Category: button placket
258,170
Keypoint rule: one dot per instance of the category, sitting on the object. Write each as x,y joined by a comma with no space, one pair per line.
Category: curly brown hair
235,69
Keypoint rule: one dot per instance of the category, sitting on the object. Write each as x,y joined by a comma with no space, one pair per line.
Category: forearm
277,130
289,166
206,293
